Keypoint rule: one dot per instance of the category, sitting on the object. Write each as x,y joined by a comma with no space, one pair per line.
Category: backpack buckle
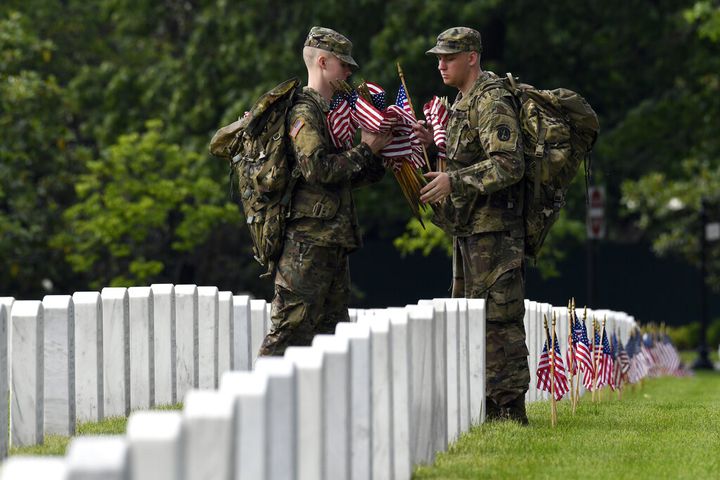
319,209
539,149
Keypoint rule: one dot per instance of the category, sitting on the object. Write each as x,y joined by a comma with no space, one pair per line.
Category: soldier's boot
515,410
493,411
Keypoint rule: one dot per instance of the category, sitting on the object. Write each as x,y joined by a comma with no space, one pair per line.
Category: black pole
703,362
590,283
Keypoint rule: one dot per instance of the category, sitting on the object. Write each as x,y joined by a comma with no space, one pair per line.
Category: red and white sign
596,225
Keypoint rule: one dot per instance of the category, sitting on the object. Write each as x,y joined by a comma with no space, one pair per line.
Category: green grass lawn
669,428
56,444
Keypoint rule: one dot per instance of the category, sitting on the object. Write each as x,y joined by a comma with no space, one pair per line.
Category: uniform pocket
506,302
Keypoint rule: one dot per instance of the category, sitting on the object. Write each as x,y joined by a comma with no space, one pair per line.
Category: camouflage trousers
490,266
312,291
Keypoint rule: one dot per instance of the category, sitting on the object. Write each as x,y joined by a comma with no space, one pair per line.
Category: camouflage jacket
322,209
485,163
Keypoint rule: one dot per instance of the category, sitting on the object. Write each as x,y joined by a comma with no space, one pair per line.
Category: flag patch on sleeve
297,126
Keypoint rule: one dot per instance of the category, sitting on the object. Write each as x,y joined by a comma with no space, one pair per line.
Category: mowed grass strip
57,444
668,428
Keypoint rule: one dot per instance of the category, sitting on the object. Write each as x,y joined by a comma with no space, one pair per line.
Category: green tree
664,203
36,164
147,211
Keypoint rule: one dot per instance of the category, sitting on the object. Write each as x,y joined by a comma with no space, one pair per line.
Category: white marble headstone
252,409
89,401
358,336
476,359
258,311
463,367
33,468
97,458
8,301
155,448
164,360
208,435
27,365
208,318
309,366
453,368
336,399
439,426
116,355
3,382
528,344
532,330
59,365
142,368
421,371
406,399
186,339
381,406
241,333
282,422
225,334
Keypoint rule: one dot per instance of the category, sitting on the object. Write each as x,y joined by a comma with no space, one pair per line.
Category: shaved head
310,54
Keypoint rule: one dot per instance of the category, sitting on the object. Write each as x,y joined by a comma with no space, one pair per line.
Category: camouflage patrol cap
455,40
331,41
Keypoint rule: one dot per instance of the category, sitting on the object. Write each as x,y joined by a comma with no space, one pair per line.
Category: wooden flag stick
602,334
577,385
407,94
594,357
571,353
618,366
551,352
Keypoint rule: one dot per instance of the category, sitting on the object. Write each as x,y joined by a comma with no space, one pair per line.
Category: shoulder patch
297,126
503,133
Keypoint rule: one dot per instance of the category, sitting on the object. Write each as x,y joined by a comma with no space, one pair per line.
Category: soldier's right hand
376,141
424,132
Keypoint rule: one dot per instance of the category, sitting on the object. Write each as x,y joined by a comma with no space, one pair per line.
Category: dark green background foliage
107,107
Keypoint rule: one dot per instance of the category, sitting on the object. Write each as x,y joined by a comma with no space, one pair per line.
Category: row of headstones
95,355
384,393
535,313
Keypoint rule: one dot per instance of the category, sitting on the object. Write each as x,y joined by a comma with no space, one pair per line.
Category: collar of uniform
318,98
461,101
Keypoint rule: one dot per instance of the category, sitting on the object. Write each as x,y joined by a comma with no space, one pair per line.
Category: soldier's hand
437,190
423,132
376,141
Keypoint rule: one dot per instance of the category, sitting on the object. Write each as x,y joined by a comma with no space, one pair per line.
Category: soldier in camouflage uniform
479,201
312,282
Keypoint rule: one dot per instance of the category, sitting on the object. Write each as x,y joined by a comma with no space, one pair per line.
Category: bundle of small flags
366,107
604,362
437,114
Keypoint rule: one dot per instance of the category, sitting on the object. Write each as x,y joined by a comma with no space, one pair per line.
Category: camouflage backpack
257,147
559,130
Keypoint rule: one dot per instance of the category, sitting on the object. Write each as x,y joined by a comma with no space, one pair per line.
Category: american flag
404,144
605,363
582,352
646,347
340,120
638,364
622,361
375,117
670,355
544,374
437,115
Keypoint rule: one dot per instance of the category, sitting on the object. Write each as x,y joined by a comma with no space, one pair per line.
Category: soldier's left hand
437,190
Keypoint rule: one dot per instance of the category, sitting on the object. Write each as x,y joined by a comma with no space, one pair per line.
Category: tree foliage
107,107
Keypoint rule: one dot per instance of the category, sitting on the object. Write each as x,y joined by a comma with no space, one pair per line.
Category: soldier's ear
473,58
322,61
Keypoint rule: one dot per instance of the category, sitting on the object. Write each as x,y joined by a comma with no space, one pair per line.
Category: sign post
596,230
